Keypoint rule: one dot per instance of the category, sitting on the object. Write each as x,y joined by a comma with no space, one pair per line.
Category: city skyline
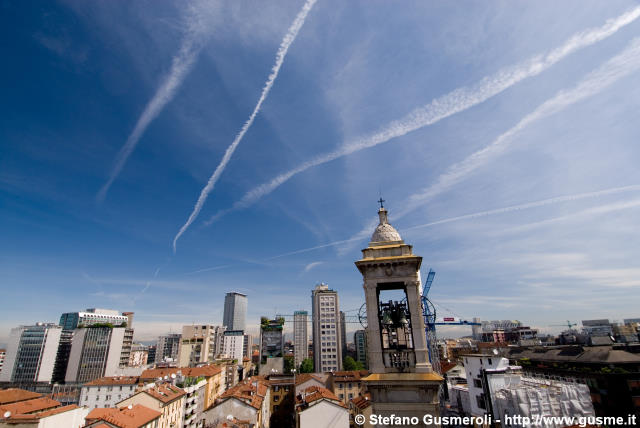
501,136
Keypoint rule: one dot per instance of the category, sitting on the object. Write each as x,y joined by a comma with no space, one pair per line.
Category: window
477,383
480,401
490,361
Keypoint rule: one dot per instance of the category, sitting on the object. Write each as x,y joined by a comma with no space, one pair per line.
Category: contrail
288,39
504,210
181,65
447,105
623,64
529,205
603,209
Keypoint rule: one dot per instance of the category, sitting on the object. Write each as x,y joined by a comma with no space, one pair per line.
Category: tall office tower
360,340
343,335
300,337
200,344
168,347
73,320
97,351
327,344
233,344
31,354
235,311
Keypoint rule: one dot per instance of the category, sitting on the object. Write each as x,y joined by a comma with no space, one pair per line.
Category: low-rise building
133,416
248,401
360,405
319,407
211,373
347,385
164,398
21,408
612,373
306,380
499,389
106,392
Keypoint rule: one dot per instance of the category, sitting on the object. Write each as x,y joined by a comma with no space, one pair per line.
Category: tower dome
384,231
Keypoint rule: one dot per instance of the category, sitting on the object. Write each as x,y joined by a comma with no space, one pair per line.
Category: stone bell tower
402,381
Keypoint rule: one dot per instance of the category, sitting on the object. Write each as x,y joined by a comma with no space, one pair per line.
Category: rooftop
114,380
125,417
317,393
252,391
29,406
12,395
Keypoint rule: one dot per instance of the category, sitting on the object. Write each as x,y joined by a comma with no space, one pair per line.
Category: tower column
402,381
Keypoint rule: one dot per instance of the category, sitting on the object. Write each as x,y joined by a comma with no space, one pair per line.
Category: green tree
288,364
350,364
306,366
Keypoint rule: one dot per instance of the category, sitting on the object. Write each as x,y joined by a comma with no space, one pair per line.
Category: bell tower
402,381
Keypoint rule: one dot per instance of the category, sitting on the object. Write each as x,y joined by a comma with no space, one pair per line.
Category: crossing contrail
503,210
447,105
288,39
181,65
621,65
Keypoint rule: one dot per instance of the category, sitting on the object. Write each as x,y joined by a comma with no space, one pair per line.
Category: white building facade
31,353
327,343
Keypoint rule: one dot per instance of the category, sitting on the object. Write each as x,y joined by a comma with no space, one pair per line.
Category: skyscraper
327,344
300,337
31,354
235,311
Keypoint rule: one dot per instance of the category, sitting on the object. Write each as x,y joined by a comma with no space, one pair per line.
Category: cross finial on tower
381,202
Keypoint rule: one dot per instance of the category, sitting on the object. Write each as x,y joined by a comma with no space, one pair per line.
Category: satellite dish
173,375
7,414
229,417
166,377
130,406
495,351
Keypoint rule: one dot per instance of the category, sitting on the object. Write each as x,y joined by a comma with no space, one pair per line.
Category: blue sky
447,109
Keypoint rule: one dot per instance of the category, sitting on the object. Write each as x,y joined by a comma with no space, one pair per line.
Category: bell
386,318
403,320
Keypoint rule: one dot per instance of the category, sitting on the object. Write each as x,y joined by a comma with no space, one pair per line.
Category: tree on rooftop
306,366
350,364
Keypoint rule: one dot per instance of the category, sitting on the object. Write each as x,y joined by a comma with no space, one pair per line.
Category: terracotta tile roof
303,377
315,393
245,359
362,401
349,376
40,415
114,380
247,392
29,406
205,371
166,393
13,395
445,366
124,417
